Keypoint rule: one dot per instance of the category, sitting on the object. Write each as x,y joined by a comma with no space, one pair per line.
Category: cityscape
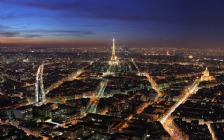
64,77
118,93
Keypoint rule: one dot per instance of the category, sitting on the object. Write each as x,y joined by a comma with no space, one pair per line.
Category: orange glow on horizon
16,41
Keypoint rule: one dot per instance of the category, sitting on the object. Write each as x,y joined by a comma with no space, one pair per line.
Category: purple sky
135,23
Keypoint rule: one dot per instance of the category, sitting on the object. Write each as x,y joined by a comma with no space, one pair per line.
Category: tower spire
113,48
113,59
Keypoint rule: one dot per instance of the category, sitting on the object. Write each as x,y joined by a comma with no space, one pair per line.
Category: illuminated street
70,77
153,84
174,132
92,105
186,93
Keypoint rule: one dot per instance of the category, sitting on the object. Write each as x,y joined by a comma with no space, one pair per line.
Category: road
39,85
26,130
124,124
92,105
174,132
186,93
166,119
153,84
211,130
111,68
143,106
132,60
70,77
103,85
151,81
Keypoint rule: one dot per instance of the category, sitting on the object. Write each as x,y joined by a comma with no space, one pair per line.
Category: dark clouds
49,5
40,33
142,22
9,34
110,9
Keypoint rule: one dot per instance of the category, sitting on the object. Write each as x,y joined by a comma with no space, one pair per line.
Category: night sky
134,23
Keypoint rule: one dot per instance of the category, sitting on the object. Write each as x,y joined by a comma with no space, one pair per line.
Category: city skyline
192,24
116,93
111,70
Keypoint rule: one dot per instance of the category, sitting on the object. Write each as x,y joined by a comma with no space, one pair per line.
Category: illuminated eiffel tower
113,60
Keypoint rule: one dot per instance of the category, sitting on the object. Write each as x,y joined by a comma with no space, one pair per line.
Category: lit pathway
186,93
124,124
153,84
26,130
70,77
150,79
39,85
92,105
211,130
166,119
132,60
103,85
174,131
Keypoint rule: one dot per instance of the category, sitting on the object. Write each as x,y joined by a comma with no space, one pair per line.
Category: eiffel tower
113,60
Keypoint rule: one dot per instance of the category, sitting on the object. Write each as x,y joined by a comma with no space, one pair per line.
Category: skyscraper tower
113,60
